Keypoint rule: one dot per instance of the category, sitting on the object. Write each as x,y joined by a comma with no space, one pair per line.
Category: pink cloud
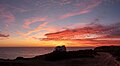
30,21
92,31
49,29
44,21
74,14
6,15
39,28
88,6
38,34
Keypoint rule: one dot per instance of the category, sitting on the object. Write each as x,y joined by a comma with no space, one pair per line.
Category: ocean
28,52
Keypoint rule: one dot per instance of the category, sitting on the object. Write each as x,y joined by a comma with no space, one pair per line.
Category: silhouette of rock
19,58
60,48
60,53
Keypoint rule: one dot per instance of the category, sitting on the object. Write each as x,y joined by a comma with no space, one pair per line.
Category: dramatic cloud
89,32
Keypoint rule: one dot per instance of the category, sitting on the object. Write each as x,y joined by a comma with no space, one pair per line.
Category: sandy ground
104,59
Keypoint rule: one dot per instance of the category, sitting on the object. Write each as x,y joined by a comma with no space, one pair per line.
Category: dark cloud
3,35
116,31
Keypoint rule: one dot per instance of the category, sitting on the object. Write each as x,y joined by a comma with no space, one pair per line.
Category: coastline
28,52
101,59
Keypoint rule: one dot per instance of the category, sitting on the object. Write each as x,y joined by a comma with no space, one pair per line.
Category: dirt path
108,60
105,59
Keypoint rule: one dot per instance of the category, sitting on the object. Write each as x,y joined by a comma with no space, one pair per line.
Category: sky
46,23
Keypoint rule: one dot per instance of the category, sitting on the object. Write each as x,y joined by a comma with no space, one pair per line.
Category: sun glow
53,43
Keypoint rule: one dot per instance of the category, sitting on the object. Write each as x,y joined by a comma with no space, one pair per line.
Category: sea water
28,52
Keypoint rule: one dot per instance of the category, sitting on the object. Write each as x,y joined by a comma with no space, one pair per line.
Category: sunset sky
74,23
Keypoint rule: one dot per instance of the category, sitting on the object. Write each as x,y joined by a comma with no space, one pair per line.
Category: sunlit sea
27,52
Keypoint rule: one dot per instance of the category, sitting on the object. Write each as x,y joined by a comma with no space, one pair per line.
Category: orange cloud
89,6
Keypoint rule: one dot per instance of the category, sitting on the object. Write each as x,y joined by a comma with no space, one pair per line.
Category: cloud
74,13
5,15
36,33
30,21
116,31
78,33
39,28
88,8
33,33
3,35
19,9
88,32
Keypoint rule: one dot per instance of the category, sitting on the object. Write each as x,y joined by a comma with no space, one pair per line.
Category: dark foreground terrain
100,56
113,50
